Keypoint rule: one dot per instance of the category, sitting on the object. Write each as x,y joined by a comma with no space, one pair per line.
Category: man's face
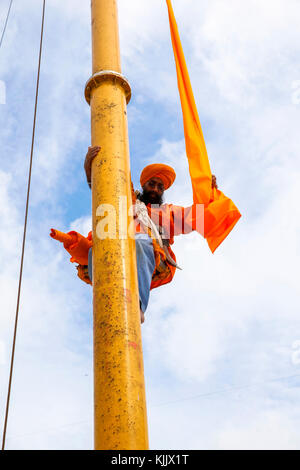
153,191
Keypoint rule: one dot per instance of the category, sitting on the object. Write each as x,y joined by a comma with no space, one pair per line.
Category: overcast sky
222,341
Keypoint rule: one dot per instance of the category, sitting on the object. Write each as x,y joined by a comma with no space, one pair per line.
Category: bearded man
156,224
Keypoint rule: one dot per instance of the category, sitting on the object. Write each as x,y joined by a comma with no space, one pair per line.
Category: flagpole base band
95,80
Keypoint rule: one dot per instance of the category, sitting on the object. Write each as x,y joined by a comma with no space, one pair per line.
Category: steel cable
24,234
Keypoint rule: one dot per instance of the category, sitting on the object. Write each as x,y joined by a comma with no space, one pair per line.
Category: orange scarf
220,213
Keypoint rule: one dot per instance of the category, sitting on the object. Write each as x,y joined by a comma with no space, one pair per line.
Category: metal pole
119,388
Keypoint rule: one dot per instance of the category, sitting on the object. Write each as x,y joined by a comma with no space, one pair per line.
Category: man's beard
149,197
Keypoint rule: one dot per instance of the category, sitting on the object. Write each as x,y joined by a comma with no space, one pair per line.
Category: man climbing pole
156,262
119,390
156,223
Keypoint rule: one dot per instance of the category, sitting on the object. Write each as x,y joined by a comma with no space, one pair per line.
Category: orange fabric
159,279
175,220
62,237
220,213
158,170
75,244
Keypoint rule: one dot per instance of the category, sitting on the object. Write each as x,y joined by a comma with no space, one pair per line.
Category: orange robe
174,220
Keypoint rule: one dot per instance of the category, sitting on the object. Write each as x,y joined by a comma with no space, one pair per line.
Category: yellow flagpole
120,417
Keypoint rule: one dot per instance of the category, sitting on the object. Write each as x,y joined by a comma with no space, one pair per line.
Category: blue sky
222,341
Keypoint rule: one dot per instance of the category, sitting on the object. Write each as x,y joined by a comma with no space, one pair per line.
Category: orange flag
220,213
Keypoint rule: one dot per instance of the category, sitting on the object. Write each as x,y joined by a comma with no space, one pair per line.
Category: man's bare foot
142,316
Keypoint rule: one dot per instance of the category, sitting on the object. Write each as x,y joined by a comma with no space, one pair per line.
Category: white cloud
268,431
82,225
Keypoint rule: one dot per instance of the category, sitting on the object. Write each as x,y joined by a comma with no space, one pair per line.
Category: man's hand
214,182
91,154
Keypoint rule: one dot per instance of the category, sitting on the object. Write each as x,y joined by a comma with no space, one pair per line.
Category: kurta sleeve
187,219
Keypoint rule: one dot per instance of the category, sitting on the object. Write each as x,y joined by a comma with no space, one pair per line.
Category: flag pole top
98,77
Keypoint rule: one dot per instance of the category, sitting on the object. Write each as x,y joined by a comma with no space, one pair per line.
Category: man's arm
187,219
91,154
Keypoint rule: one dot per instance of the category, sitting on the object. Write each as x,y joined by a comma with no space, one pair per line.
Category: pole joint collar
97,78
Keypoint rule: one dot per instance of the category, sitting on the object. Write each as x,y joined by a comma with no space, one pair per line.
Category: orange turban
158,170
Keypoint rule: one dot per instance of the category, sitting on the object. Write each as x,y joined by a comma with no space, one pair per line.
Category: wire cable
230,389
24,233
203,395
5,24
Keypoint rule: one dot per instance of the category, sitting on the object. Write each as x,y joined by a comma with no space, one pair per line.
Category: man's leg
145,266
